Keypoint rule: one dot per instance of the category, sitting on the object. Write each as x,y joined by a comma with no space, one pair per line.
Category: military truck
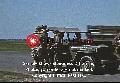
69,49
108,35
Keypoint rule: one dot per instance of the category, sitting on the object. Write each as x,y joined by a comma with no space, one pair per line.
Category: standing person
42,52
54,49
116,44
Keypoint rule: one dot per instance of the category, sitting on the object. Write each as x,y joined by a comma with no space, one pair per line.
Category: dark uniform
44,46
43,52
116,44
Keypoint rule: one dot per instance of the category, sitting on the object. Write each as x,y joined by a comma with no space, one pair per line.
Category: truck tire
87,64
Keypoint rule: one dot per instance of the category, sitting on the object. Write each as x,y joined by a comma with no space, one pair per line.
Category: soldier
116,44
57,37
43,51
117,40
53,48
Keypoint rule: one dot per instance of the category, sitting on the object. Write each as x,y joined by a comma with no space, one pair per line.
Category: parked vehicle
69,49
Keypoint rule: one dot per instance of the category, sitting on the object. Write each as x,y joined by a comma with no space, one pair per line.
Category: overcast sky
18,18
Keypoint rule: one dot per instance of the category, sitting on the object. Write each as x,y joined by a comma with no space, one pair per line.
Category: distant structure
103,33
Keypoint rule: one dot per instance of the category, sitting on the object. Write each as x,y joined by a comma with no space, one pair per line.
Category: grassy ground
17,45
6,76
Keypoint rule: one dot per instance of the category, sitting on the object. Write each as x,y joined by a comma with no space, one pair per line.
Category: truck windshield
85,35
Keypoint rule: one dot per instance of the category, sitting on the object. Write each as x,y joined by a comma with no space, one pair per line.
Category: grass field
16,45
6,76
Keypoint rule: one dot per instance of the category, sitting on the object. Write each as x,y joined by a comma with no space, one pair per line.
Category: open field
13,45
6,76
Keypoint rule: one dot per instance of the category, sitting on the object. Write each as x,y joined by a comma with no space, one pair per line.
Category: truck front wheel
87,64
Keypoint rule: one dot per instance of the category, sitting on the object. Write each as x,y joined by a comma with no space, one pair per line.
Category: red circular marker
33,40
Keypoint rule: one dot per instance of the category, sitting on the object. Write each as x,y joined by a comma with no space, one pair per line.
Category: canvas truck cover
63,29
103,33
